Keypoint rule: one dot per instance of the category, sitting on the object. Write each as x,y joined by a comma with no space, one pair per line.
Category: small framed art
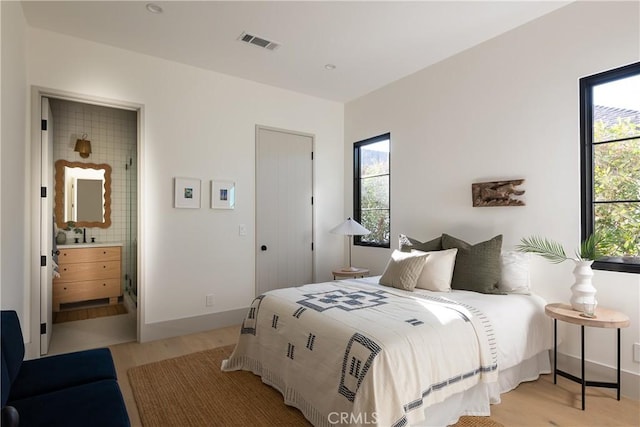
186,193
223,194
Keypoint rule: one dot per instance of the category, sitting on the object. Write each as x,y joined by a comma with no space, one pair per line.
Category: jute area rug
88,313
192,391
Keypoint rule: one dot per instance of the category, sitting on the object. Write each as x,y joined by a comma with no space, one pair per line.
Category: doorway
284,209
113,133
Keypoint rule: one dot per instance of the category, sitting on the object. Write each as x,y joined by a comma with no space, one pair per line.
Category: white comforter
356,353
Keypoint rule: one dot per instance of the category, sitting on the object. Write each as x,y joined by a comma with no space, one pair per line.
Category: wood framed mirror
83,194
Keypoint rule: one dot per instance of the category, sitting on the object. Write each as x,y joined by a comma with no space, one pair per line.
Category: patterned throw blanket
350,353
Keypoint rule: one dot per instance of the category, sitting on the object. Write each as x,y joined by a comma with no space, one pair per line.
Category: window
610,165
371,174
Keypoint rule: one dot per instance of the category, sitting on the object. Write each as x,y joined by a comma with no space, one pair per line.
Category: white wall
505,109
14,179
198,124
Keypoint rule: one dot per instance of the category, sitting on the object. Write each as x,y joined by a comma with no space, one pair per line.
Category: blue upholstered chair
74,389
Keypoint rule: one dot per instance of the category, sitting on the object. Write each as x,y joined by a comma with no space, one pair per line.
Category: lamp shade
83,146
350,228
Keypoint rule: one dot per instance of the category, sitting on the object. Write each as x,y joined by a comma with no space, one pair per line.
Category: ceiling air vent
258,41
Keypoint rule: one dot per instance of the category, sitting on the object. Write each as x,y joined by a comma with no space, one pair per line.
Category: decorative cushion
514,277
5,382
96,404
477,266
403,269
438,271
11,343
407,244
47,374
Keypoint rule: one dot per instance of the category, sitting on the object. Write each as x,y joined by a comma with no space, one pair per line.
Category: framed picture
223,194
186,193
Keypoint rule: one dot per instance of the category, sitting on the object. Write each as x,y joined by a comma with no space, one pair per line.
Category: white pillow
514,278
438,270
403,269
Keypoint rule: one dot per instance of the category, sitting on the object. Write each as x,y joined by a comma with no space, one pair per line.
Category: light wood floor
533,404
88,313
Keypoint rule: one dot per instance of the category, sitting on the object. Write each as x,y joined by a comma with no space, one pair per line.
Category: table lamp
350,228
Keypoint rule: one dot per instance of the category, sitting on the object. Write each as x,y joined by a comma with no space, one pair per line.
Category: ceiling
370,43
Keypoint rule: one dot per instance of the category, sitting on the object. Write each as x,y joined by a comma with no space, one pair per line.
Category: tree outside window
371,190
610,134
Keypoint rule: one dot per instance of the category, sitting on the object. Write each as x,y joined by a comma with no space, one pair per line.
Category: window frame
357,206
587,217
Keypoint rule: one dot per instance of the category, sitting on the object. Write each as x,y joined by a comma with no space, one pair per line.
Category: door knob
263,247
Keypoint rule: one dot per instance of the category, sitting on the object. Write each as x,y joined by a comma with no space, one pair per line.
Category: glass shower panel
131,243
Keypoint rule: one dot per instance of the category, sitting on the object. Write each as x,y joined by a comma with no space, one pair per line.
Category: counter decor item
72,226
61,237
582,292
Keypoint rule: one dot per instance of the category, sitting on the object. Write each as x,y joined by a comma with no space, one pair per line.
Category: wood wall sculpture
497,193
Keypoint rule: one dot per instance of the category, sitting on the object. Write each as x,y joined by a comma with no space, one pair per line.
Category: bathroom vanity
88,272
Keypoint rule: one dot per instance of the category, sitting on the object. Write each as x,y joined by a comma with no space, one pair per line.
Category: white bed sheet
523,336
522,329
477,400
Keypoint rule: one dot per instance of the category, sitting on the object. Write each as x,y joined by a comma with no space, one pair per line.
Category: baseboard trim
191,325
630,382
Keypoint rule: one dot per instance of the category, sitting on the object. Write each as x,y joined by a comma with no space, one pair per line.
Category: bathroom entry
89,137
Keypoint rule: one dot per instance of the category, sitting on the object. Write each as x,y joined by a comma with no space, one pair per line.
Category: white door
284,209
46,226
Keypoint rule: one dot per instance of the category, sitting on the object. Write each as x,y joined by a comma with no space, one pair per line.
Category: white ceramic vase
582,290
61,237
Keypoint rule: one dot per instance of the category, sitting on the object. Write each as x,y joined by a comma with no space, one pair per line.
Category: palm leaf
590,248
549,249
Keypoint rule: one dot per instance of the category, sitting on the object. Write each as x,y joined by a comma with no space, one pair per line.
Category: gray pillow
406,244
477,266
403,270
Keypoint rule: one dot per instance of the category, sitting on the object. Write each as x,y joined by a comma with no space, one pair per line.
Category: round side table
604,318
354,274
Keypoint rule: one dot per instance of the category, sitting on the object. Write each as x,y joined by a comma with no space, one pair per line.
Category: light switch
242,230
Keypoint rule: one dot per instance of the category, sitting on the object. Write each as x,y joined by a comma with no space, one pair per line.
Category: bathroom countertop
89,245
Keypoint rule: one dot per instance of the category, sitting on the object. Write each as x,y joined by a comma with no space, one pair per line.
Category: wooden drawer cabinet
89,270
87,274
83,291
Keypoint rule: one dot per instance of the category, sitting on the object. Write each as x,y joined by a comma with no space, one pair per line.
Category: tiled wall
113,135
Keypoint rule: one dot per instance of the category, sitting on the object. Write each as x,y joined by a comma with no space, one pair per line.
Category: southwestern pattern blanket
364,354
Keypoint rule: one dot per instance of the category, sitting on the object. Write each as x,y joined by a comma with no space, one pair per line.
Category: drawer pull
104,284
64,289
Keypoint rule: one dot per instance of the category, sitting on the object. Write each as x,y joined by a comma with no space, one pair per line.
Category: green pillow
477,266
406,244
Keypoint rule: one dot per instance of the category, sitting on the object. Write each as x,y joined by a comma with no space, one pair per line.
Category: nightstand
355,274
604,318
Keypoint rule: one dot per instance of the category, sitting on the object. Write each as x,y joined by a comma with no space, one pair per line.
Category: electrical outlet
210,300
636,352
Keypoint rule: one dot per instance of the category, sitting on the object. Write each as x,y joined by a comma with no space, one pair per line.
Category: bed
353,352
